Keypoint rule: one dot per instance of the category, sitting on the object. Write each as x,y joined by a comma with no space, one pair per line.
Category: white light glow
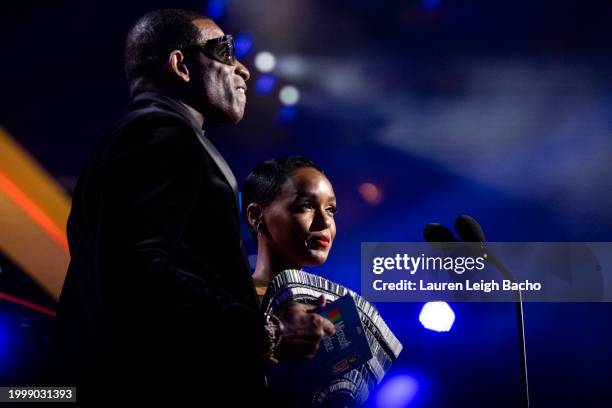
289,95
437,316
265,61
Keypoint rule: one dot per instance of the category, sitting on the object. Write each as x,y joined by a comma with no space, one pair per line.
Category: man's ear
177,66
254,215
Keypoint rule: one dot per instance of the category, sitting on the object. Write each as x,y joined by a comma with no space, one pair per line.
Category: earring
257,227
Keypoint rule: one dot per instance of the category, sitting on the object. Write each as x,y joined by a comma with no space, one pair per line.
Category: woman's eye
332,210
306,206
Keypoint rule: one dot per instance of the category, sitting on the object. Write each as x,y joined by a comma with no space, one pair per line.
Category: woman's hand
303,330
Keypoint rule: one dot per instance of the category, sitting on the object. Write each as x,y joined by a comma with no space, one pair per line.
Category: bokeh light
244,44
289,95
291,67
397,392
287,114
265,61
215,8
437,316
370,193
265,84
430,4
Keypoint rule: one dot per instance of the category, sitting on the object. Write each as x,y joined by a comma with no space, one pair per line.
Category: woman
290,207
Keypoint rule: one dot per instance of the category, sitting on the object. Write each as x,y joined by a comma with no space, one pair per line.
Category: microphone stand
520,320
438,233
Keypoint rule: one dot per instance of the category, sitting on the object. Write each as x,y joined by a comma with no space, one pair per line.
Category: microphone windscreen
468,229
434,232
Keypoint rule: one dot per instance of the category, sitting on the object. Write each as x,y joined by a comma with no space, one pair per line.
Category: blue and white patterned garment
286,381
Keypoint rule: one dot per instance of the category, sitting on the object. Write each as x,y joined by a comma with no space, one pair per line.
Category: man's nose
242,71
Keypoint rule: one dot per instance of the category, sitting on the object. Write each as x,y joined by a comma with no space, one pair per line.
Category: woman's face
299,223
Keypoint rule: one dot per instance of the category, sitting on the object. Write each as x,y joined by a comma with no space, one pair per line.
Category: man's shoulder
154,109
150,125
151,118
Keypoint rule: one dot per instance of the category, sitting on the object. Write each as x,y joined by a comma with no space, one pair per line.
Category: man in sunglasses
158,302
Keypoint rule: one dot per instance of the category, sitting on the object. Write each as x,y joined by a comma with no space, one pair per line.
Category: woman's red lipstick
320,240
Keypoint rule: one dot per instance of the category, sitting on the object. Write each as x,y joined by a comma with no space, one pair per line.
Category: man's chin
237,118
227,118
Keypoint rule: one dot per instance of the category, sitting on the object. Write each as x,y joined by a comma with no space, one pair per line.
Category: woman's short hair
265,181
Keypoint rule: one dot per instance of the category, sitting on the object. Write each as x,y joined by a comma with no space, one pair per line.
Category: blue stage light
265,83
4,343
437,316
244,43
430,4
397,392
287,114
215,8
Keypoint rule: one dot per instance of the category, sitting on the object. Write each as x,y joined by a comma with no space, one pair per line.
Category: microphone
434,232
469,230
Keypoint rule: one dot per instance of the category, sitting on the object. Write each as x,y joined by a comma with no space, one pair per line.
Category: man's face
219,90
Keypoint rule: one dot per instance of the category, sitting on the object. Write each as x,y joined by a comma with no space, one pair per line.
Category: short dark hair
154,36
265,181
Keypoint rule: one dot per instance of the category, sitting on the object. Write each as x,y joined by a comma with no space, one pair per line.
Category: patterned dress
292,386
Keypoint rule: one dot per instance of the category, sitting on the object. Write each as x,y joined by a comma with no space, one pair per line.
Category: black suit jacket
158,295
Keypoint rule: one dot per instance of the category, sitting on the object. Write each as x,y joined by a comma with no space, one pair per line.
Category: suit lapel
221,165
219,161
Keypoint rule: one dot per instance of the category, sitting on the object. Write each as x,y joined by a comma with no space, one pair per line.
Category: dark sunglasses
221,49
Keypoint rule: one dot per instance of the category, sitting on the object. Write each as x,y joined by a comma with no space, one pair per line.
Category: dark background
498,109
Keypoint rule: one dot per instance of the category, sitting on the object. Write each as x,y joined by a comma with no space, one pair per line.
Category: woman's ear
254,216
